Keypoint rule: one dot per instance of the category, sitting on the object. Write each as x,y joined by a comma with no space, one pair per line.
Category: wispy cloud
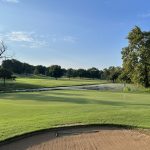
25,39
20,36
144,15
37,44
59,39
34,40
11,1
70,39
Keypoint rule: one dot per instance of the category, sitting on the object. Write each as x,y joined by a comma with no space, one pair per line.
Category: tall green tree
55,71
136,57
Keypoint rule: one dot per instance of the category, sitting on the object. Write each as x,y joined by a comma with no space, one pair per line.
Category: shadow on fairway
67,98
17,86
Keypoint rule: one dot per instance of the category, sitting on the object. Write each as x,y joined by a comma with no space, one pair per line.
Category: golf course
74,75
24,112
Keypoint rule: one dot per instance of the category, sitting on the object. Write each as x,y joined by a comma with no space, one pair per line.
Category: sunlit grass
26,112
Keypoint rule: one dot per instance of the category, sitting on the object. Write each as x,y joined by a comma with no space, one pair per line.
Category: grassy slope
27,83
25,112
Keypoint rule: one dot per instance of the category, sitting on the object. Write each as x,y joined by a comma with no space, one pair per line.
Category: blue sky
70,33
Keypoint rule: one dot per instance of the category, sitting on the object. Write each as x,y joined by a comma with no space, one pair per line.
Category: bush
127,89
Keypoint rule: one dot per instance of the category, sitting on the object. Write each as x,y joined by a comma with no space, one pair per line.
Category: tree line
56,71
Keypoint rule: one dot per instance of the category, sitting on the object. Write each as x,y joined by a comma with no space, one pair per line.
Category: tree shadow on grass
64,98
16,86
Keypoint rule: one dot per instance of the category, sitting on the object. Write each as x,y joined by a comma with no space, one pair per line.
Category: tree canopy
136,57
55,71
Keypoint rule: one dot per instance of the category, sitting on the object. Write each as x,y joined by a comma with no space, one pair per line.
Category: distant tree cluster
111,73
56,71
18,67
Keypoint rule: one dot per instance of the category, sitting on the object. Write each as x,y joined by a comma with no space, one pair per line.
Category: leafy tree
136,57
81,73
124,77
13,65
93,73
74,73
114,73
55,71
101,74
28,69
106,74
36,71
18,67
5,74
70,73
40,70
64,71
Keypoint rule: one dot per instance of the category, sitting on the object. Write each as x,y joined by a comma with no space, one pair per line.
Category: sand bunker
88,138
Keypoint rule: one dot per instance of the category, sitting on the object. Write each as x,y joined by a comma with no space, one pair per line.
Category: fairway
26,112
32,83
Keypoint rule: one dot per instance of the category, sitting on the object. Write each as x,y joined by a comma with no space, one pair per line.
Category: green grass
136,89
25,112
31,83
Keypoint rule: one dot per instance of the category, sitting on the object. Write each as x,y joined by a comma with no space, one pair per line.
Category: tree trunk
4,81
146,80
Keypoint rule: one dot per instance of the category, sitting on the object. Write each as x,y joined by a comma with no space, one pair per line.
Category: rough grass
25,112
31,83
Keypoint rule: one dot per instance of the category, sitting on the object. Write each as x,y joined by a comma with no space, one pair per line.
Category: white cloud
70,39
20,36
11,1
24,39
33,40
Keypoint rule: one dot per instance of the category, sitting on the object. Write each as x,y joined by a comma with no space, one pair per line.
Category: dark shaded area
12,85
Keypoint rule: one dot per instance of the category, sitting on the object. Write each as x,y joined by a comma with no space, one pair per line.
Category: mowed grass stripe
26,112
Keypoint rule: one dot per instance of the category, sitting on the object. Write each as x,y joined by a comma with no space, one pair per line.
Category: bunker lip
66,127
81,137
